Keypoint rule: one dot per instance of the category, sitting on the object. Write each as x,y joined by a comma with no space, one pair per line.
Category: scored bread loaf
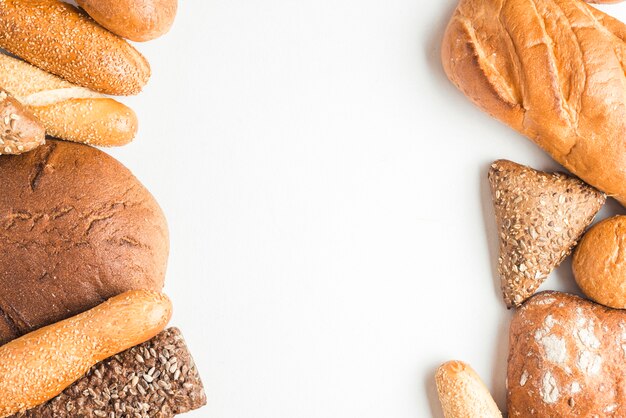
38,366
20,131
554,71
58,38
76,228
68,111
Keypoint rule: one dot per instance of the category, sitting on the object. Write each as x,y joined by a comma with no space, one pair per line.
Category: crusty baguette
68,111
462,394
552,70
20,131
58,38
38,366
137,20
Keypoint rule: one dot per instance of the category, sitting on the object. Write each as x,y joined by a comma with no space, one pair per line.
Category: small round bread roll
137,20
599,263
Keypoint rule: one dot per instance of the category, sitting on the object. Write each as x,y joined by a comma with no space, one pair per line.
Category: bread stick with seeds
66,110
59,38
462,394
20,131
38,366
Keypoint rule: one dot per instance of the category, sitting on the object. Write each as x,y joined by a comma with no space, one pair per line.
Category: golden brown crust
20,131
554,71
137,20
540,218
72,46
68,111
38,366
599,263
567,358
462,394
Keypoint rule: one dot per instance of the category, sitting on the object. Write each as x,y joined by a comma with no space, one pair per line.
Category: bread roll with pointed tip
58,38
462,394
68,111
137,20
38,366
20,131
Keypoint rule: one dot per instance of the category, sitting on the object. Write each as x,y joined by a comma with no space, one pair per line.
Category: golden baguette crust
462,394
38,366
68,111
20,131
554,71
137,20
58,38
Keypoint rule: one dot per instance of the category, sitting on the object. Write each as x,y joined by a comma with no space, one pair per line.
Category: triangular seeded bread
540,218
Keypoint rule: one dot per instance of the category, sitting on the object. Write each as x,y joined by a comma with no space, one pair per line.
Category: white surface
325,185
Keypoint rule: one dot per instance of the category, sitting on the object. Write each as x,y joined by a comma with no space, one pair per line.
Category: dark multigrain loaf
76,228
156,379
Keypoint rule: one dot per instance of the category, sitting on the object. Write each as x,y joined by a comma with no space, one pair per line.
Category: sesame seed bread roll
38,366
462,394
137,20
58,38
20,131
68,111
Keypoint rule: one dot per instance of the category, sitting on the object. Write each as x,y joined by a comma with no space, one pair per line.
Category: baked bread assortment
540,217
554,71
599,263
85,245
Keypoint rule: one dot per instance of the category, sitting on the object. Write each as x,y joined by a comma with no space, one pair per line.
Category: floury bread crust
566,359
554,71
76,228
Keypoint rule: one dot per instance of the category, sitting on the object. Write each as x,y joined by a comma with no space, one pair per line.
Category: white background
332,235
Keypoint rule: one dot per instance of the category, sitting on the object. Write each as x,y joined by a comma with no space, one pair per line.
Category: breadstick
68,111
38,366
462,394
20,131
58,38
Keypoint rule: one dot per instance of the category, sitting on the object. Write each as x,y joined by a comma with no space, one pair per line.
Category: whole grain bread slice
540,217
156,379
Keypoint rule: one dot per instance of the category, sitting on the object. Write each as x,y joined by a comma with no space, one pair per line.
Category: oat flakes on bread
20,130
566,359
552,70
540,217
599,263
462,393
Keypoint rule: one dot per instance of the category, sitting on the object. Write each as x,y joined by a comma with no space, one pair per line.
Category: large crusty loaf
38,366
137,20
68,111
58,38
20,130
554,71
76,228
155,379
540,218
462,394
567,358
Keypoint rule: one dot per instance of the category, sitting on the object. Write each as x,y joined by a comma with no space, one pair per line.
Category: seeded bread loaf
552,70
155,379
567,358
76,228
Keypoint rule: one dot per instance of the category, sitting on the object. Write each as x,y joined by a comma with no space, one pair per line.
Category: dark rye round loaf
76,228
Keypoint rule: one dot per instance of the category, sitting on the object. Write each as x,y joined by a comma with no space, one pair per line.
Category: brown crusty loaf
137,20
76,228
20,131
155,379
462,394
58,38
40,365
599,263
68,111
554,71
540,218
567,359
